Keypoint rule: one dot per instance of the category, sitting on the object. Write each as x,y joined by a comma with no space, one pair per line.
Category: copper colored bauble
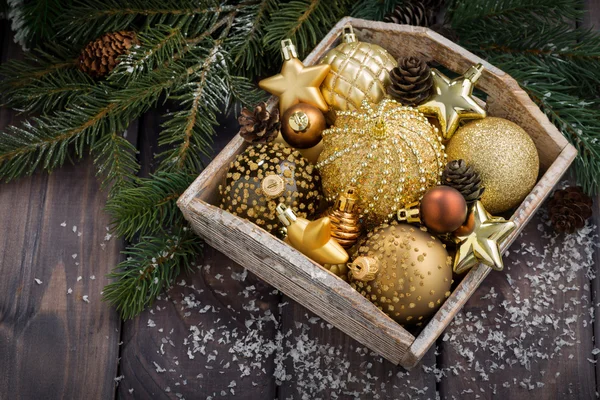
266,175
467,227
504,156
443,209
302,125
359,71
404,271
311,238
391,153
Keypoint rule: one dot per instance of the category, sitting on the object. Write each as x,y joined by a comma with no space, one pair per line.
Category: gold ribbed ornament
404,271
359,71
346,226
392,153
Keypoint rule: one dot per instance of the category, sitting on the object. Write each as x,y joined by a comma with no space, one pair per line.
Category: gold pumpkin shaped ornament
390,152
359,71
405,271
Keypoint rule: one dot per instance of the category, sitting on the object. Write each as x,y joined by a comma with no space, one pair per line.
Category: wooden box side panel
300,278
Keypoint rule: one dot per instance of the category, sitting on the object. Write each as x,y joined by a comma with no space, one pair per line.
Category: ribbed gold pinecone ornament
569,209
463,178
411,81
99,57
259,125
346,226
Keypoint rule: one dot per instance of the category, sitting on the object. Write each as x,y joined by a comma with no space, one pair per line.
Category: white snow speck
39,282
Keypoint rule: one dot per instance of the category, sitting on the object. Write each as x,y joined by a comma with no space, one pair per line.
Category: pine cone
463,178
99,57
260,125
411,81
569,209
415,13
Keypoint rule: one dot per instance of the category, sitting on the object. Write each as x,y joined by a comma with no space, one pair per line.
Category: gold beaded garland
504,156
404,271
266,175
391,153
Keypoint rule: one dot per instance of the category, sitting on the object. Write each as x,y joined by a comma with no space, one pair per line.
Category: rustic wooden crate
324,293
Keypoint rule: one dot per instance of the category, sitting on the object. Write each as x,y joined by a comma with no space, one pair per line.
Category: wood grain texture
54,345
279,265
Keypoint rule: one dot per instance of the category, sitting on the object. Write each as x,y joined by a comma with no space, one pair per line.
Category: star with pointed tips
297,84
481,245
452,100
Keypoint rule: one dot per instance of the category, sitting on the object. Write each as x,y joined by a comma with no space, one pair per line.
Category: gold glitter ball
504,156
389,152
413,272
359,71
266,175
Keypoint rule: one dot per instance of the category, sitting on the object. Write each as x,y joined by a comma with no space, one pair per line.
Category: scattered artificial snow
39,282
85,298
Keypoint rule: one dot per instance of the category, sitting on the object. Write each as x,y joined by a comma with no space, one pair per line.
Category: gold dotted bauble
504,156
412,272
359,71
390,153
266,175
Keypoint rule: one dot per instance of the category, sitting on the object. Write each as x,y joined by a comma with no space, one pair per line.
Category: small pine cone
463,178
260,125
99,57
414,13
411,81
569,209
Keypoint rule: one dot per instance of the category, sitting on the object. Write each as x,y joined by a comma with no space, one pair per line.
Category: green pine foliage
202,57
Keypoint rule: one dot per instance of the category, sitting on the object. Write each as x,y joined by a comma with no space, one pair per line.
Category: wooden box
324,293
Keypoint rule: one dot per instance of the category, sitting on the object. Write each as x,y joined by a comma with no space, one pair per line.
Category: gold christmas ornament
452,100
504,156
346,226
311,238
296,83
481,245
266,175
392,153
359,71
302,125
404,271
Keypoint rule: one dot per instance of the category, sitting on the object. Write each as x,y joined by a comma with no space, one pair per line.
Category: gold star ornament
296,83
452,100
481,245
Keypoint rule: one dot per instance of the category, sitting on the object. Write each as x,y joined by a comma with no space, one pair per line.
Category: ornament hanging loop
348,35
288,49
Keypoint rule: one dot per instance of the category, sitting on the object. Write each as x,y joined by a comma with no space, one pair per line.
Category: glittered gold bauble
504,156
266,175
453,100
296,83
359,71
311,238
404,271
302,125
443,209
390,153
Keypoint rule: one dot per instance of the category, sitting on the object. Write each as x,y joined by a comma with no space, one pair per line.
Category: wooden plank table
222,333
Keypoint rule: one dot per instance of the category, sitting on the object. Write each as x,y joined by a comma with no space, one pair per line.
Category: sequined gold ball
266,175
504,156
413,272
359,71
389,152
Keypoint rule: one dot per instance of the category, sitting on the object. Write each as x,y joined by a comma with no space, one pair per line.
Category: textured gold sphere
359,71
390,153
265,175
504,156
414,272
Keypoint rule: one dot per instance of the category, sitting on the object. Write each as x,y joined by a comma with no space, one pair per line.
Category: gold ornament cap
285,214
364,268
411,213
348,35
299,121
347,202
273,186
288,49
474,73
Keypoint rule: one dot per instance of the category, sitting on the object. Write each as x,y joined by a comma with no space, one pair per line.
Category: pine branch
374,10
150,267
116,161
35,21
150,206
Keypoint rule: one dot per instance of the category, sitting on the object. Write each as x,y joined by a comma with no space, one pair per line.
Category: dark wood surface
222,333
